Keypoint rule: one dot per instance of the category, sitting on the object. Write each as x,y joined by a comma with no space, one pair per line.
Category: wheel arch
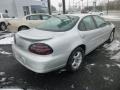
22,26
83,46
3,22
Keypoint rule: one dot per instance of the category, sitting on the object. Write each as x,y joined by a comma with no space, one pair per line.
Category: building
19,8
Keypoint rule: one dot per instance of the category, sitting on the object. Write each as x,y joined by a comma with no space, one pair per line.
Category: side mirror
13,17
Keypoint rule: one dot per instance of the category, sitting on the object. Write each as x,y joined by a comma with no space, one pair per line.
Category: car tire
111,38
23,28
3,26
75,60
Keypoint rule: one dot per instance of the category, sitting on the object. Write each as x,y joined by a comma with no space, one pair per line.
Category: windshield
59,23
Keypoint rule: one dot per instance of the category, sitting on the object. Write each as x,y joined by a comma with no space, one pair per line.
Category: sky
75,2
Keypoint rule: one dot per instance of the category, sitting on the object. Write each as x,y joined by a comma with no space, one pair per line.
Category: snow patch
72,86
108,65
108,79
92,64
89,67
11,78
11,88
114,46
2,73
118,65
3,79
87,88
111,80
7,40
111,18
4,52
62,70
116,56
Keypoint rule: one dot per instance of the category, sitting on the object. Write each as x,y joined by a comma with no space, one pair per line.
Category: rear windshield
59,23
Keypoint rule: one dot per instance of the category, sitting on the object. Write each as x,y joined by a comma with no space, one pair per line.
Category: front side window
59,23
89,23
81,26
45,17
99,21
33,17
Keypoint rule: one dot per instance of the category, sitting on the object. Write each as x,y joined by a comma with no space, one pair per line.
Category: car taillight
41,49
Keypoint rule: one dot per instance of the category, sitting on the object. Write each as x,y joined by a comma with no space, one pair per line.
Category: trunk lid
25,38
34,34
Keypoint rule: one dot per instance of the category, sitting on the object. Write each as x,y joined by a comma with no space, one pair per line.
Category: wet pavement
99,71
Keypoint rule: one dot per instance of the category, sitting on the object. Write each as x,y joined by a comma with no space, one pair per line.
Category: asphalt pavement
99,71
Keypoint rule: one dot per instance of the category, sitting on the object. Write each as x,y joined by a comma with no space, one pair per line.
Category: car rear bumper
38,63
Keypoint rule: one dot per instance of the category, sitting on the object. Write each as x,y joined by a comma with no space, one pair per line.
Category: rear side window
33,17
99,21
89,23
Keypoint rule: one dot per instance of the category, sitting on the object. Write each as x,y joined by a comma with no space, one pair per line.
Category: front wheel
111,38
3,26
75,59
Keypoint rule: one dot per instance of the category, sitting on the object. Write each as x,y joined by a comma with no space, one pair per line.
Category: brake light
41,49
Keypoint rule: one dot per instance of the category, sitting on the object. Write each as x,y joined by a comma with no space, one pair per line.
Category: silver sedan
61,41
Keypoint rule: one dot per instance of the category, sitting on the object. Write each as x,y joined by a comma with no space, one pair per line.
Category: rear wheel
75,59
23,28
111,38
3,26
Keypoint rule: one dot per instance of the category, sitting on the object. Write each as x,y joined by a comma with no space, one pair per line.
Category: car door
33,20
89,33
104,27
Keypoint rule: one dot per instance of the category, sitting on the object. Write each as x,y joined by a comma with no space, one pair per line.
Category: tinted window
89,23
99,21
81,26
45,17
33,17
59,23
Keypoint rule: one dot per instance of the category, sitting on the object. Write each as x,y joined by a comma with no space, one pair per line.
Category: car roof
79,15
38,14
